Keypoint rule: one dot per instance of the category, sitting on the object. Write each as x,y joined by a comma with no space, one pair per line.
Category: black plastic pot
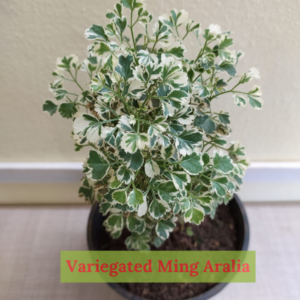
94,243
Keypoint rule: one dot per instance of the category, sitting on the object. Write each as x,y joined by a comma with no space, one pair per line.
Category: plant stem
115,163
212,75
185,35
81,104
205,177
154,45
127,108
108,121
201,51
111,110
197,77
208,148
216,146
230,91
138,128
92,145
177,31
152,94
131,29
74,79
64,78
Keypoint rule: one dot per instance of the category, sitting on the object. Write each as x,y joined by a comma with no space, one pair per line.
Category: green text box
158,266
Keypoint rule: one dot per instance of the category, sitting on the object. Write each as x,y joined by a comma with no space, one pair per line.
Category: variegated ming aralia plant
158,152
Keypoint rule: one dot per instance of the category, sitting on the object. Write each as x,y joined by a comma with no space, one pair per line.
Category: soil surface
217,234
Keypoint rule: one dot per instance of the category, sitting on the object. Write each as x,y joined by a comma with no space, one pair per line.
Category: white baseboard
271,181
57,182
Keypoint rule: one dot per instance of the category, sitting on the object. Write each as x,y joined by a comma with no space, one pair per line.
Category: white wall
34,33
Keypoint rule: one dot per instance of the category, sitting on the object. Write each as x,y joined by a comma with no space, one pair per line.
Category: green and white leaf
157,241
187,141
67,62
132,142
115,184
146,58
120,196
135,198
142,209
172,73
255,99
67,110
88,126
167,152
158,126
50,107
192,164
206,159
158,208
125,175
219,186
125,124
96,32
151,168
180,179
121,23
195,214
184,204
98,165
166,191
223,164
206,123
164,227
115,221
239,100
101,48
224,118
86,190
114,224
105,207
227,67
97,83
176,49
138,242
124,67
185,116
135,224
133,161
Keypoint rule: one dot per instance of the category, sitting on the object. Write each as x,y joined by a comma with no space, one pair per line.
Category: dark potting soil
217,234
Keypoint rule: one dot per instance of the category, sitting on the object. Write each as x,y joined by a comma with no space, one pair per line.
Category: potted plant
159,156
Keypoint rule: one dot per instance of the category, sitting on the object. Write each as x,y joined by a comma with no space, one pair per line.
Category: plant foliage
158,151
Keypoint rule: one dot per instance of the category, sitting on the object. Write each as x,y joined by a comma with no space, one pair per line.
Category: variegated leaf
151,168
164,227
125,175
98,164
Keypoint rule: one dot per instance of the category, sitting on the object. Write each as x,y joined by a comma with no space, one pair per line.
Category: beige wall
34,33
